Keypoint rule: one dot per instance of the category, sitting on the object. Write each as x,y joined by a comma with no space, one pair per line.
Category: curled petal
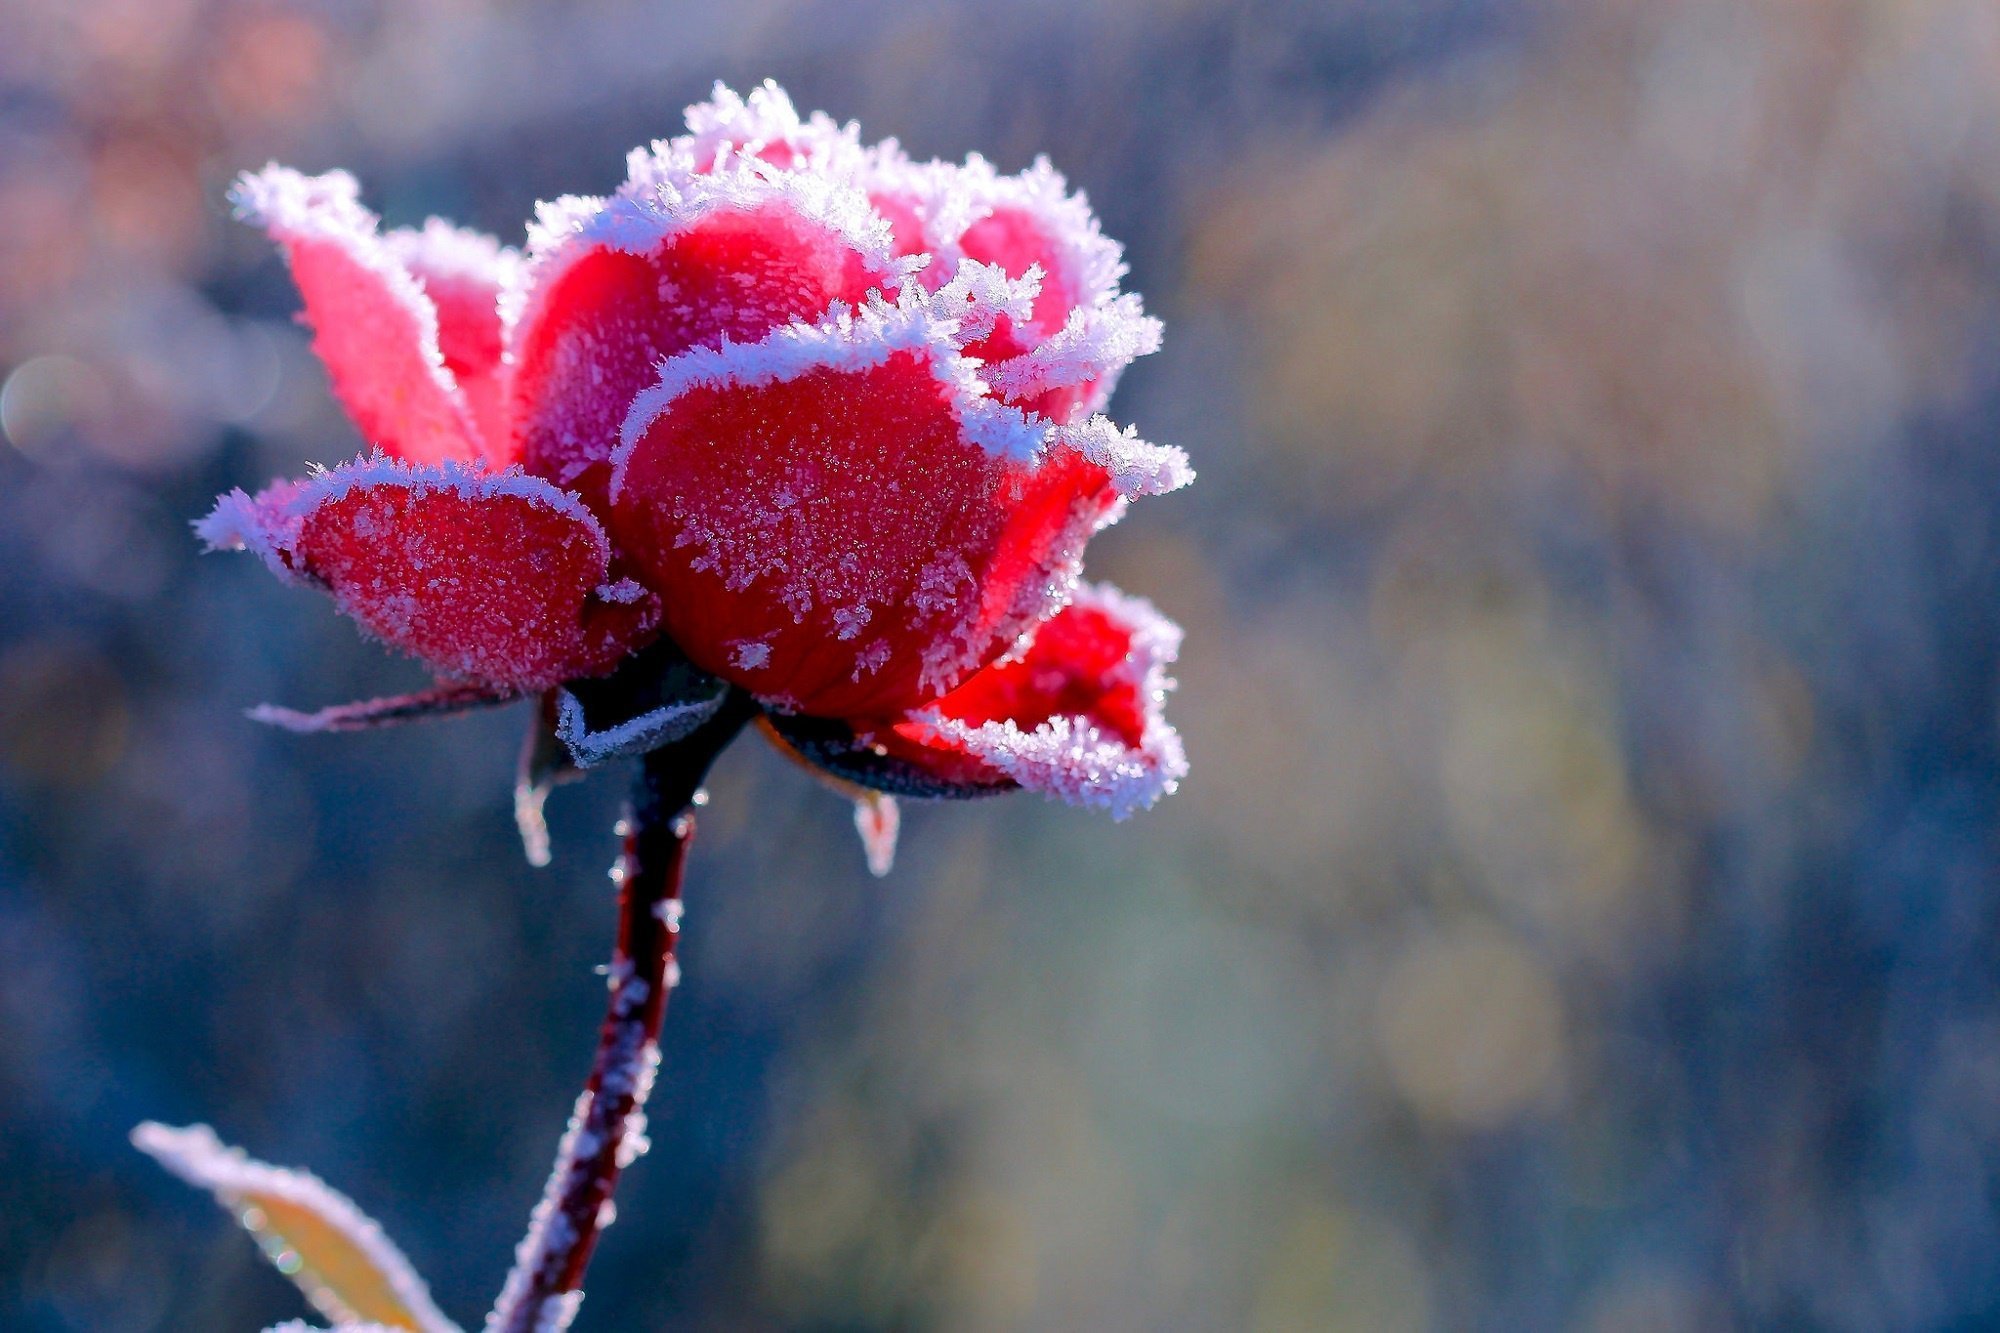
616,285
1020,224
839,519
493,578
466,275
1074,370
1077,714
373,325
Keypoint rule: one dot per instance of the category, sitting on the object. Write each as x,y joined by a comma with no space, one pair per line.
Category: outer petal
497,578
373,325
466,274
615,286
841,521
1078,714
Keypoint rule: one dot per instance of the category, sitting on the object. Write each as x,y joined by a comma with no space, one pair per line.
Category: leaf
314,1235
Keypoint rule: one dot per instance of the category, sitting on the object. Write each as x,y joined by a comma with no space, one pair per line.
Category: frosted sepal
367,714
653,699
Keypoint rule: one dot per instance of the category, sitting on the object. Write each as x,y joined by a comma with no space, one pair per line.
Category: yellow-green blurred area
1582,913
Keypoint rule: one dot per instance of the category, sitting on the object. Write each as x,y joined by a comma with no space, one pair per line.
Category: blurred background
1582,912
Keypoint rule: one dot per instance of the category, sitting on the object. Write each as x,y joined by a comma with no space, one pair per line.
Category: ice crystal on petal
763,127
868,479
488,577
616,284
1076,713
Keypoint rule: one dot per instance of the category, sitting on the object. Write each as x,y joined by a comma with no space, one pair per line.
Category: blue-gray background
1582,913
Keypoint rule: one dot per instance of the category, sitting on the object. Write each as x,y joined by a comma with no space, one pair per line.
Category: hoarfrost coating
821,421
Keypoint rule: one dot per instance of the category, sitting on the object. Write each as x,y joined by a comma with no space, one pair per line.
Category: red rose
784,412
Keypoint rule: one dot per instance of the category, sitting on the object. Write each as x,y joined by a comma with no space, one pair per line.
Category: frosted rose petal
465,274
604,317
373,326
837,521
492,578
1078,714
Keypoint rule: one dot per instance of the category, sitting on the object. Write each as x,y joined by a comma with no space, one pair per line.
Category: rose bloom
786,413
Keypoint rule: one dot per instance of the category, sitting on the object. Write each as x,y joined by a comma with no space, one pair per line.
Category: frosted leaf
314,1235
653,699
544,765
373,325
367,714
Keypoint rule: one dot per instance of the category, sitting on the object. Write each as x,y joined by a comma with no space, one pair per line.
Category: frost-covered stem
607,1131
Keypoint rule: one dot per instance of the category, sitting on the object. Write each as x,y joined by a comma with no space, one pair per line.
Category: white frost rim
851,340
269,524
293,207
1075,761
640,222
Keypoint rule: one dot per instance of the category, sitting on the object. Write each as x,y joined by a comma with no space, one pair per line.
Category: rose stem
607,1129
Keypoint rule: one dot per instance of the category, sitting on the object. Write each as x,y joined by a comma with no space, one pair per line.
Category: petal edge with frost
1077,714
373,326
495,578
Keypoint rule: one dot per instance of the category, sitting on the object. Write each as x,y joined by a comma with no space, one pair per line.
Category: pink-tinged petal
493,578
372,324
618,285
839,519
466,274
1077,714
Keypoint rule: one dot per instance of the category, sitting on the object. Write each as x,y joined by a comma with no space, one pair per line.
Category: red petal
1078,714
637,280
372,324
465,273
840,521
497,578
